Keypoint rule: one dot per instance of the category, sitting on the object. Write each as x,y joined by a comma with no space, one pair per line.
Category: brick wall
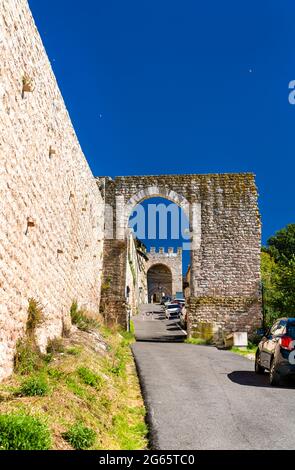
51,210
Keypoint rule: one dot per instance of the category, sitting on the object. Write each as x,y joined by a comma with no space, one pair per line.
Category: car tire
274,376
258,368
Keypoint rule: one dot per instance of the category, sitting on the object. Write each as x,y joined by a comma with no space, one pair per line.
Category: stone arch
225,282
159,281
156,191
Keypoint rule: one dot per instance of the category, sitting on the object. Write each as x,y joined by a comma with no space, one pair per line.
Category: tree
278,274
284,282
281,246
268,266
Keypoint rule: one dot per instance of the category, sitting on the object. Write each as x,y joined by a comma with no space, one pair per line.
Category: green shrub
75,387
37,385
89,377
27,358
80,318
118,365
80,437
55,373
22,432
35,315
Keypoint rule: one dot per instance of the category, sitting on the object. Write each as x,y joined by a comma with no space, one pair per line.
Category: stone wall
170,260
51,210
136,279
225,255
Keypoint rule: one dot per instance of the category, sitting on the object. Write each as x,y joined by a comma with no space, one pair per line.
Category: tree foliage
278,274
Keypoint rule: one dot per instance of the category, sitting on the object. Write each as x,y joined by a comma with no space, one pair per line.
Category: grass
89,377
196,341
98,388
23,432
251,349
80,318
55,346
74,351
36,385
27,358
80,437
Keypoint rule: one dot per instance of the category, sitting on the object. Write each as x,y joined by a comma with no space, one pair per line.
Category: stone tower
164,273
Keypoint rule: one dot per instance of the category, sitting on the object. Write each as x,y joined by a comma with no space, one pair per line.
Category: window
278,328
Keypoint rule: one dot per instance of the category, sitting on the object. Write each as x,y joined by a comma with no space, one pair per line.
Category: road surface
199,397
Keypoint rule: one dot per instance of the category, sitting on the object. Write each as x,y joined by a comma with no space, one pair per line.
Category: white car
172,310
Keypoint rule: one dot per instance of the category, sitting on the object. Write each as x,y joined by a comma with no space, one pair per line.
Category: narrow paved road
199,397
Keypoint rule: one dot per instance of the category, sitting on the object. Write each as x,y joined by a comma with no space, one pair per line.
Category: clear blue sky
165,86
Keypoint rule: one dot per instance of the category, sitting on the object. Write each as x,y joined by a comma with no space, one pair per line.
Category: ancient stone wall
136,279
225,256
51,211
169,281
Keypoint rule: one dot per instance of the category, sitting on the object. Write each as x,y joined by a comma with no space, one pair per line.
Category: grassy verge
196,341
84,394
250,350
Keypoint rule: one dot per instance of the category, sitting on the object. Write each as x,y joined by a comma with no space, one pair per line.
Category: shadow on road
162,339
245,377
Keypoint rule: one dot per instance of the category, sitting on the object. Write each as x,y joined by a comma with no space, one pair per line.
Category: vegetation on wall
278,275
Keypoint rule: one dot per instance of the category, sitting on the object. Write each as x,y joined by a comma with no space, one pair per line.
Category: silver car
172,310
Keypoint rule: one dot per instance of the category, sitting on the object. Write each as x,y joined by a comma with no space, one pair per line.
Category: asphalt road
199,397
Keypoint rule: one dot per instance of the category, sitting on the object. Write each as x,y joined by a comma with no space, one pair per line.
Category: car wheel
258,368
274,376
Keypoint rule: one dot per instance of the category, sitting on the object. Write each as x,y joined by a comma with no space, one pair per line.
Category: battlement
162,251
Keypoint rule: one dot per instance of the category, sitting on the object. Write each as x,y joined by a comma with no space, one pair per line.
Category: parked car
172,310
179,301
165,299
183,318
275,351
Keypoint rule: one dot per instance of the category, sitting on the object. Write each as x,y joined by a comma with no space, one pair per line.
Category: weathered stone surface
51,211
52,215
225,256
164,270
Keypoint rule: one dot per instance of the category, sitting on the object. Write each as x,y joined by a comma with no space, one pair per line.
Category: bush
80,437
89,377
35,315
55,373
80,318
27,358
36,385
22,432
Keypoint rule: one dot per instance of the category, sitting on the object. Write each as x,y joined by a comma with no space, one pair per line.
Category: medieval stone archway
159,282
225,251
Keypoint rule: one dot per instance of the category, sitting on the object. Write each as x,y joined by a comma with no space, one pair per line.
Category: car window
291,329
278,328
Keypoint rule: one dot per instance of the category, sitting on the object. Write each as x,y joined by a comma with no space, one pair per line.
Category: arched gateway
225,250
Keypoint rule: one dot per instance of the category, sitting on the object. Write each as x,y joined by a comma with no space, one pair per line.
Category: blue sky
165,86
